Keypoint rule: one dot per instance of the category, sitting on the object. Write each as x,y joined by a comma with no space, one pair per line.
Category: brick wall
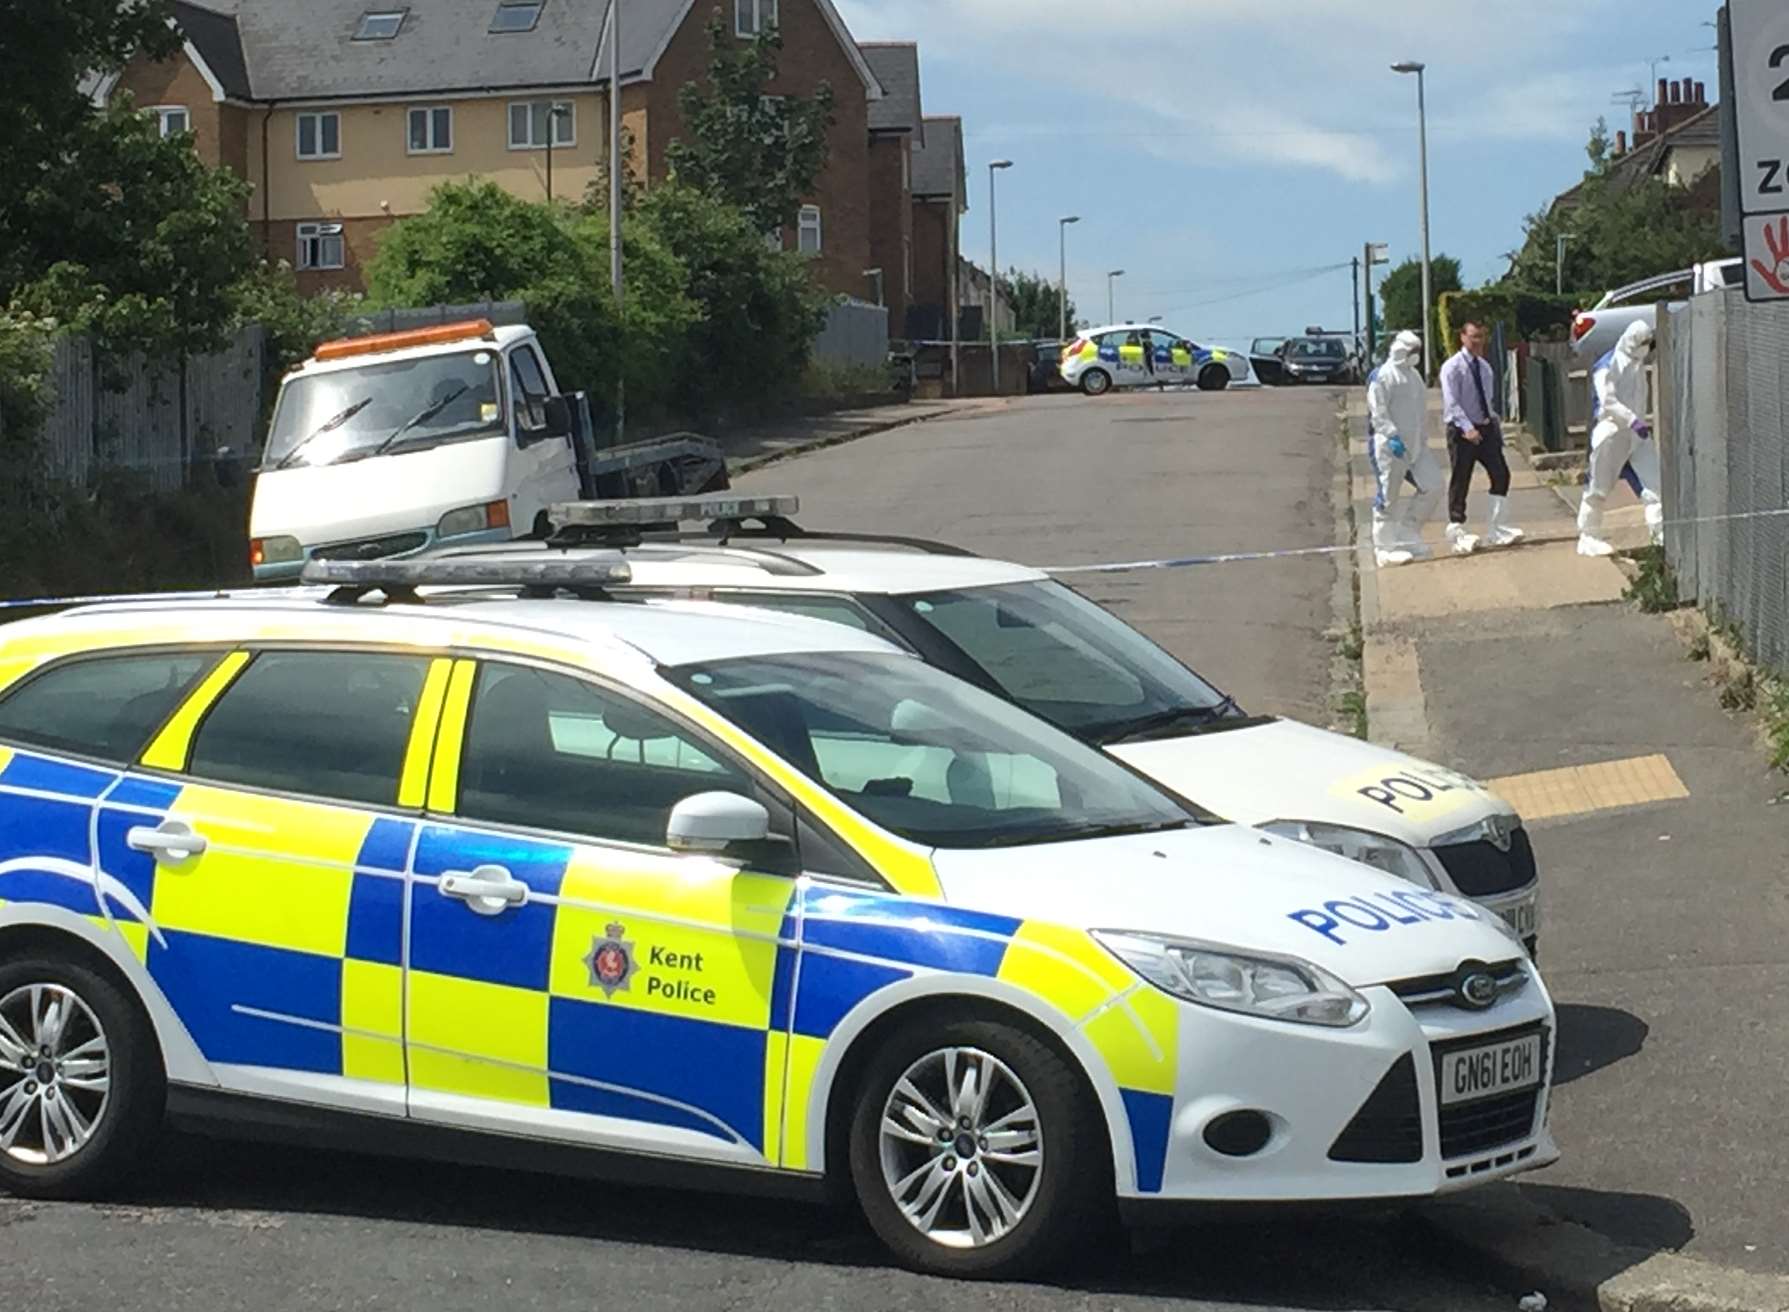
360,238
891,223
811,55
219,134
931,262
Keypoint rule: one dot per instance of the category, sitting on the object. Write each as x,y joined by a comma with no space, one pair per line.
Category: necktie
1478,385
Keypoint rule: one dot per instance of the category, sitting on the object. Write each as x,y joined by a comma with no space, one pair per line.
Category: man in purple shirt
1474,437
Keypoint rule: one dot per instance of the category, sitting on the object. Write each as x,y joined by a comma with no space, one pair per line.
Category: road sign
1761,103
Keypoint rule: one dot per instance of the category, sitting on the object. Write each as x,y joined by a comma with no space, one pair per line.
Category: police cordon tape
1114,567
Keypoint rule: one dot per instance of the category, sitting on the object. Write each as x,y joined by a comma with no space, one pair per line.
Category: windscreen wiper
1072,833
1126,730
421,417
328,426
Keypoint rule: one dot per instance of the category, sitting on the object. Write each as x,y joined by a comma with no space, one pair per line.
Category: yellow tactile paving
1581,789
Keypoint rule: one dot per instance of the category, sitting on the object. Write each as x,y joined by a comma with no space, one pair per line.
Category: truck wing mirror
559,421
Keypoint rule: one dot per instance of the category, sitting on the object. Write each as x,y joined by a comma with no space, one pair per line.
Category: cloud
1302,84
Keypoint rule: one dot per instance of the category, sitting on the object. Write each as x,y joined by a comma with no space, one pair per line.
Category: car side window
547,751
835,610
332,724
106,706
529,385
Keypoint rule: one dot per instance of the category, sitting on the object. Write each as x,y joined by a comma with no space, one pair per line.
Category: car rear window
106,706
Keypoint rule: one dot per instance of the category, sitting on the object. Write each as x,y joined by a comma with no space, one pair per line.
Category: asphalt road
1057,480
1061,480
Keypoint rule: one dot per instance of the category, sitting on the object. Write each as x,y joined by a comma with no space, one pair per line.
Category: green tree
51,51
1401,297
755,151
150,243
1619,230
1036,304
759,308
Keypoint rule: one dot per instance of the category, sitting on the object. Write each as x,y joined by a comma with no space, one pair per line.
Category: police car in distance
1147,355
515,873
1017,632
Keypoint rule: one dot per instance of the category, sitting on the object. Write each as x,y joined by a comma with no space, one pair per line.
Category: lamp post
1559,263
1422,129
555,112
994,273
1062,281
1374,253
1111,302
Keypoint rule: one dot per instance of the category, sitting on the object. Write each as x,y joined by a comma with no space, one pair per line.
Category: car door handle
488,890
170,842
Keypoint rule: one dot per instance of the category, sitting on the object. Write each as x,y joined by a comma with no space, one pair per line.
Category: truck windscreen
350,414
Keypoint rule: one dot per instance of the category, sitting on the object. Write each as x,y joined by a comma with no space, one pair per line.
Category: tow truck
390,444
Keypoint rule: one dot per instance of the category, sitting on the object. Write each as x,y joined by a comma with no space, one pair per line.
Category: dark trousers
1487,451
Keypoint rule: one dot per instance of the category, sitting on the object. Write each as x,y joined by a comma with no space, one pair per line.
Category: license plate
1523,917
1475,1073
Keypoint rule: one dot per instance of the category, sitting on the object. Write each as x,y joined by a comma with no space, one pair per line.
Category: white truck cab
389,444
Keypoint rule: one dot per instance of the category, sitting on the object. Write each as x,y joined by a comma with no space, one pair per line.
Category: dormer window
381,25
517,15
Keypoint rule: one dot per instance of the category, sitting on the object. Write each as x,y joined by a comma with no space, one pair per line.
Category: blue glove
1642,429
1395,445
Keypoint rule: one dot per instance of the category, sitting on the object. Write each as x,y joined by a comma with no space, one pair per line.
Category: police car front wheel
976,1151
80,1083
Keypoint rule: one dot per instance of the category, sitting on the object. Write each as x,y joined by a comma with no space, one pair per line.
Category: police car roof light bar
397,580
642,511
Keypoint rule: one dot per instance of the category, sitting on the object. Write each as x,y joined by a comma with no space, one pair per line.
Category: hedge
1527,316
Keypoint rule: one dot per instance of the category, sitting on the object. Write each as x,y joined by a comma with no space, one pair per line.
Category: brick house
940,199
897,128
343,115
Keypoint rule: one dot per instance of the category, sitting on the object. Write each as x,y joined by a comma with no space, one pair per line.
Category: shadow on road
1592,1038
1660,1225
1279,1257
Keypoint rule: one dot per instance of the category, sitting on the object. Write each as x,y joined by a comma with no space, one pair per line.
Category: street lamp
1422,129
1062,284
1111,312
994,273
555,112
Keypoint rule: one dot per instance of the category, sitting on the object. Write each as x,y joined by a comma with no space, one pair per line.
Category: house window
320,136
516,16
380,25
431,130
528,120
810,230
751,17
171,120
320,246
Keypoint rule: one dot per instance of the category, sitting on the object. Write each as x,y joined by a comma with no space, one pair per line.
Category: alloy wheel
55,1074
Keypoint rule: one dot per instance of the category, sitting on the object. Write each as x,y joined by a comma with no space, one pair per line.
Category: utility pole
994,273
1062,270
1422,129
1373,253
1112,296
615,166
1356,263
1559,264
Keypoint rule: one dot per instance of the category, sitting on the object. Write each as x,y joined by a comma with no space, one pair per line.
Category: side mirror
715,822
559,422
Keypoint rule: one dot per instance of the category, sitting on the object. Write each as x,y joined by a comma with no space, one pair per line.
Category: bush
1526,316
26,394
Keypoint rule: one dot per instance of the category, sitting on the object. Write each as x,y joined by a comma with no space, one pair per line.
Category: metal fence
856,332
1723,402
156,418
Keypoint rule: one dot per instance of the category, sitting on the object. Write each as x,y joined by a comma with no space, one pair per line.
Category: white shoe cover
1589,546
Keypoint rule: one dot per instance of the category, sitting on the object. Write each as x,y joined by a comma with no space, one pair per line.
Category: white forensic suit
1398,411
1620,437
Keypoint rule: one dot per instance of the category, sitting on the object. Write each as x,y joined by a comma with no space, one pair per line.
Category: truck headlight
1230,979
1377,850
473,519
274,551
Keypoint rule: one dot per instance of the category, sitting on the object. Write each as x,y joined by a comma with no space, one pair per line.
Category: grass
1655,589
1352,645
1774,711
1701,646
827,380
1353,705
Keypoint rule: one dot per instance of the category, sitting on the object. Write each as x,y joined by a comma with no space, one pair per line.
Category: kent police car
1016,632
702,894
1147,355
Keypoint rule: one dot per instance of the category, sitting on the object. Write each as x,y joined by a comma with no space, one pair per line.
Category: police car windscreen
924,754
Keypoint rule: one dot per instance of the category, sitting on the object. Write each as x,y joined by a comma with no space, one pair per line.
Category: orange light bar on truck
379,343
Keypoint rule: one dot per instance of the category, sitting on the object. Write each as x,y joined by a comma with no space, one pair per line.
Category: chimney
1701,93
1664,92
1620,144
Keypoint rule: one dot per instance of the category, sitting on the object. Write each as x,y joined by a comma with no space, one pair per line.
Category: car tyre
79,1131
1015,1190
1096,382
1214,378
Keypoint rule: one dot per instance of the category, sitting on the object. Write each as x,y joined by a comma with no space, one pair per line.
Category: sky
1225,152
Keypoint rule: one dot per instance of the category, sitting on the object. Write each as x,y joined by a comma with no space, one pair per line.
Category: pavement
762,444
1664,908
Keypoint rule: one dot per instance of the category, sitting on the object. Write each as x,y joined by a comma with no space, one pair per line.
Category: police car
1016,632
514,873
1147,355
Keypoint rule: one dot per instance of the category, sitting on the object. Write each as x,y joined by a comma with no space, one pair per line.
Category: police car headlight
1377,850
1229,979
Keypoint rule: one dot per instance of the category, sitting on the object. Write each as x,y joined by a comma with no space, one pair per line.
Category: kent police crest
611,961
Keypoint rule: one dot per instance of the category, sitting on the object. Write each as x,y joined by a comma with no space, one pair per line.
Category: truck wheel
1096,382
1214,378
81,1084
977,1151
